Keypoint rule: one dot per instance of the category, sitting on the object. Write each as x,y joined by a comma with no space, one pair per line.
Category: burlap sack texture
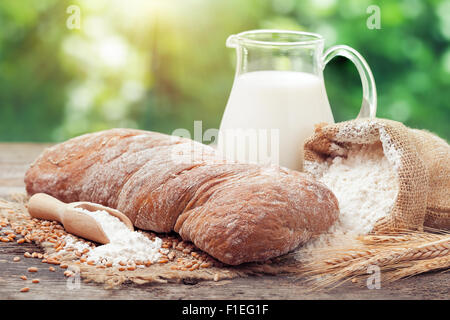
421,159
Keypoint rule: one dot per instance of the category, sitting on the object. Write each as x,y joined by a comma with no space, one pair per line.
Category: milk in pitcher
287,102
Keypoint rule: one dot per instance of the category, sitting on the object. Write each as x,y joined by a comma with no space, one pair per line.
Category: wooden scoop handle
43,206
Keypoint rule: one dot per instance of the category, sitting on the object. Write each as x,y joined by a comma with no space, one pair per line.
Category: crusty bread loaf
235,212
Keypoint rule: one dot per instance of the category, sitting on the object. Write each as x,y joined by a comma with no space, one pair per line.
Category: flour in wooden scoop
125,246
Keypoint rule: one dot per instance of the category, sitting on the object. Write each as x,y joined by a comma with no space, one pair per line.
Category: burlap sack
421,159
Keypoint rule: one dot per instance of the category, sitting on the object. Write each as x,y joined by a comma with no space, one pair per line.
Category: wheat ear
417,267
386,251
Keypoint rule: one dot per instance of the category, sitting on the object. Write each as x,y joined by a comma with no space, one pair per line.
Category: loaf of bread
235,212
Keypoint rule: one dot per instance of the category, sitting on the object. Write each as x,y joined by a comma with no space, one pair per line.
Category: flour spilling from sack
365,183
125,246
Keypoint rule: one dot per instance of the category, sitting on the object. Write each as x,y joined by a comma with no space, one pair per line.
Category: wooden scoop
43,206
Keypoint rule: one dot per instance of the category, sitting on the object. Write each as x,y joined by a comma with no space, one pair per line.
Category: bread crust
235,212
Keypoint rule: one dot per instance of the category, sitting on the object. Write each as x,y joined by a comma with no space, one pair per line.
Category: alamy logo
374,20
374,280
74,20
74,278
236,145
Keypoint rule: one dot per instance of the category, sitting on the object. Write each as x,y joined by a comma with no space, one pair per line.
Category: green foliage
159,65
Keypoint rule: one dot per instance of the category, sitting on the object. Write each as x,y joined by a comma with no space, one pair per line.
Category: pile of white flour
366,186
125,246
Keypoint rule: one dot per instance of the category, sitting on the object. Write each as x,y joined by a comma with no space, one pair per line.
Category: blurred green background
161,64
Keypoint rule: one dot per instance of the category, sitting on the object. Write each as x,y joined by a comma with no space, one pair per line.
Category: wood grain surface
14,160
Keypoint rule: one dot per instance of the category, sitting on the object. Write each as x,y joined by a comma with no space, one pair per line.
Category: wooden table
14,160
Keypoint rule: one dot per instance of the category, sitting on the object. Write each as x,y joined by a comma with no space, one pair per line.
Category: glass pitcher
278,95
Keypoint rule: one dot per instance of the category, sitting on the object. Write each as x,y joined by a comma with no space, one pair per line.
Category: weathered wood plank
15,159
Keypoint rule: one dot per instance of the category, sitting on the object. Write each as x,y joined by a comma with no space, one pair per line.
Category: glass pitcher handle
369,103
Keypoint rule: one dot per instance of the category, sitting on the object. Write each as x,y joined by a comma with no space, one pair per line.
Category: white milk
291,102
